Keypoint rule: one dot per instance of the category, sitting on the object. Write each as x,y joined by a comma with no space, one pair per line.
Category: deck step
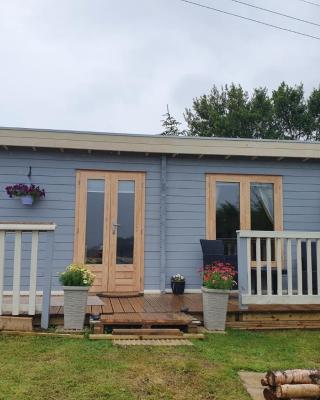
147,319
199,336
273,325
146,332
148,342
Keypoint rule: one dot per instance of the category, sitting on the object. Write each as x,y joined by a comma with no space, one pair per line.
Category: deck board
127,307
116,305
136,304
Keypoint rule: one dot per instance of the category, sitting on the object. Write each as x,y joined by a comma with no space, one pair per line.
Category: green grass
55,368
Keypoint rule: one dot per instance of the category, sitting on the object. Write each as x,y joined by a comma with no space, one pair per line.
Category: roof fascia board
157,144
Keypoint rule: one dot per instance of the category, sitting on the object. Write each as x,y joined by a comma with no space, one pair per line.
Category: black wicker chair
304,268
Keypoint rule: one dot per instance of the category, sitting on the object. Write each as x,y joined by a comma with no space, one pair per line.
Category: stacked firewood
292,384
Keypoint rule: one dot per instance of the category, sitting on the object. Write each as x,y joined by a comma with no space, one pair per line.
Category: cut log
269,394
297,391
293,376
264,382
315,378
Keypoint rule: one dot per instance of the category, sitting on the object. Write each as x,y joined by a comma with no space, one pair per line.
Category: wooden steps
149,342
146,320
144,324
146,332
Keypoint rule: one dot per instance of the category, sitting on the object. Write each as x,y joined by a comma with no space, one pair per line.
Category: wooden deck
169,310
145,311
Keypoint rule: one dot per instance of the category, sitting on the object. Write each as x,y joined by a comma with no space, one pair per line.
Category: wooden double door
109,236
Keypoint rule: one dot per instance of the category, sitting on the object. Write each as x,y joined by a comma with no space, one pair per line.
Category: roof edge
84,140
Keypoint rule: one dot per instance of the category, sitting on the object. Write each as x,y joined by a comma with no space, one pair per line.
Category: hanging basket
27,193
27,200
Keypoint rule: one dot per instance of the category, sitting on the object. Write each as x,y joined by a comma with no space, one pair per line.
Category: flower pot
27,200
178,287
75,302
215,305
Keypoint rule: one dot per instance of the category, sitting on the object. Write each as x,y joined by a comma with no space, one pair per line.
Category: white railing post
318,266
2,258
46,299
279,266
258,268
243,276
289,267
309,267
269,272
299,267
16,274
33,272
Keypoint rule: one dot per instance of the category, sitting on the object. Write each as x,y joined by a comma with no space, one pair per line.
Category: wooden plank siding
185,204
56,172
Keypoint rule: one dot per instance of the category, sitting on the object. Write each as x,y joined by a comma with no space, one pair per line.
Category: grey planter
75,302
215,305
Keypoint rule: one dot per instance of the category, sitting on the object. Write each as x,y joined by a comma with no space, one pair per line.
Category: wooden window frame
245,211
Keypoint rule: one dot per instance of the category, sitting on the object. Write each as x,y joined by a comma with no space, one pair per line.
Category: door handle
114,227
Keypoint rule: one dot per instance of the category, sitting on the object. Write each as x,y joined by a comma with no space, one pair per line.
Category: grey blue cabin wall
185,204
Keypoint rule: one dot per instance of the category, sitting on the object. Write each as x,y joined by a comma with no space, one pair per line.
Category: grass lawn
54,368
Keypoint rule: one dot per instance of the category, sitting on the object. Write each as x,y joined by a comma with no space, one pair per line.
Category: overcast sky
113,65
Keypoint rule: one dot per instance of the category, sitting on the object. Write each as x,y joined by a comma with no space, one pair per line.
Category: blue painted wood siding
56,172
186,196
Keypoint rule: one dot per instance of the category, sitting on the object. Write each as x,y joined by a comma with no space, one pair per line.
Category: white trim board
275,299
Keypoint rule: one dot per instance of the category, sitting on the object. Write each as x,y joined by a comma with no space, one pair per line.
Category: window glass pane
125,221
262,206
262,215
94,221
228,214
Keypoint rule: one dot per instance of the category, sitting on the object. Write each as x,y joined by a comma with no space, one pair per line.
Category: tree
220,113
314,110
232,112
291,114
170,125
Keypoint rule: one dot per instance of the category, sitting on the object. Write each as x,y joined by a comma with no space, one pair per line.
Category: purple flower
21,189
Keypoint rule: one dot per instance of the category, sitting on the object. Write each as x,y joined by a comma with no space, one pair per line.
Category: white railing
278,267
10,300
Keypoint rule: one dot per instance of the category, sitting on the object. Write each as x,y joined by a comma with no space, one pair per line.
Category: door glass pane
228,214
262,214
125,221
94,221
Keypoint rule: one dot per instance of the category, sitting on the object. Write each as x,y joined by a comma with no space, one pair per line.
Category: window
246,202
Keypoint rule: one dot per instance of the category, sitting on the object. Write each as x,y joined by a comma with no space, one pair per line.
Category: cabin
134,208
